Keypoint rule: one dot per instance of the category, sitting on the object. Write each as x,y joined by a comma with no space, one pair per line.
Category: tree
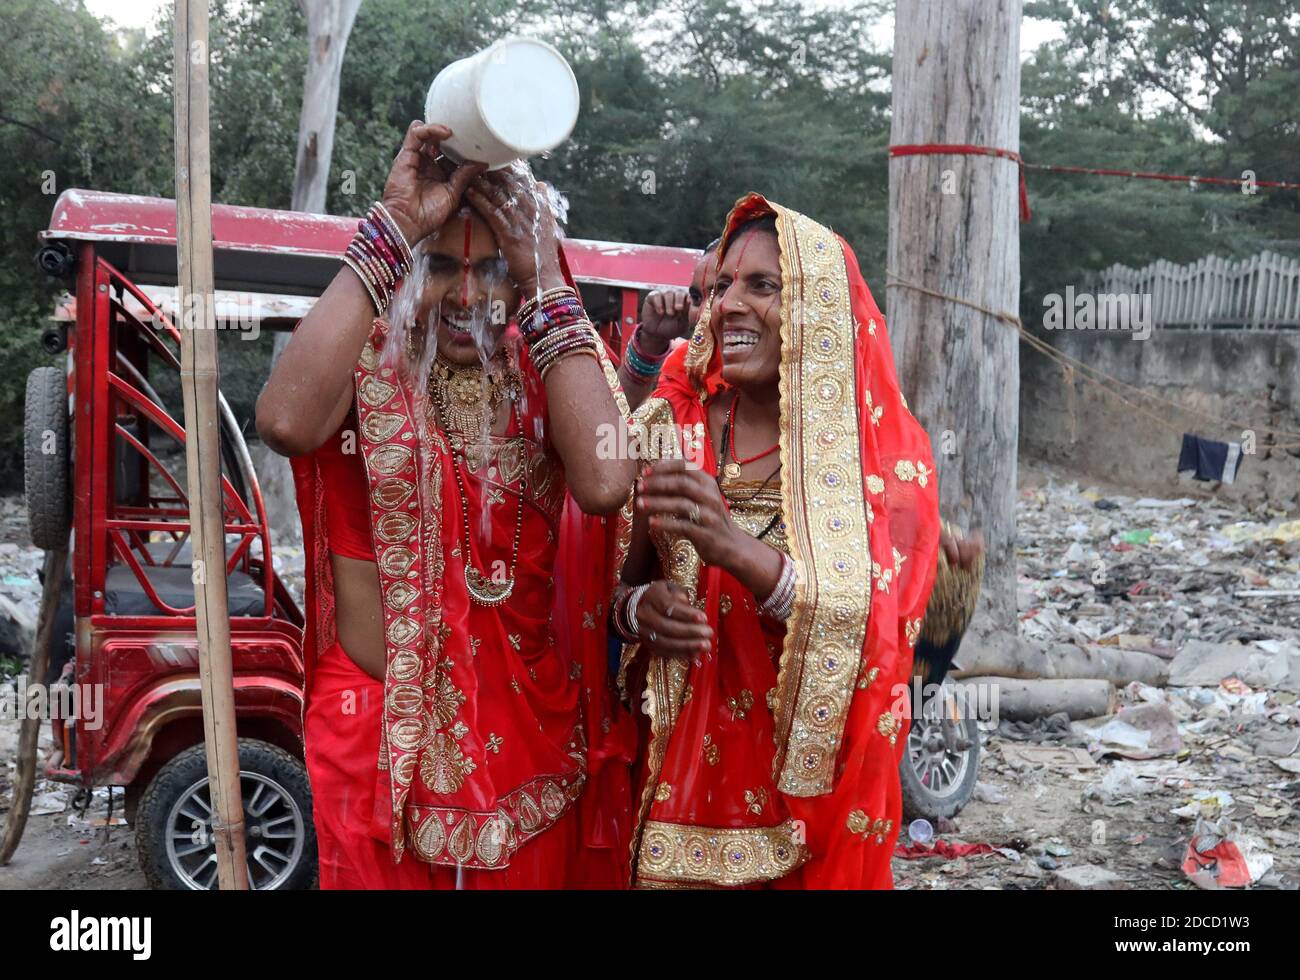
329,22
63,82
1176,87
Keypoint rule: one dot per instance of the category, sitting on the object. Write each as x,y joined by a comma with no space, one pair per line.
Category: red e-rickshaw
114,485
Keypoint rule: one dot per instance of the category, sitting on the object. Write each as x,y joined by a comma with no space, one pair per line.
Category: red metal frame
129,219
145,693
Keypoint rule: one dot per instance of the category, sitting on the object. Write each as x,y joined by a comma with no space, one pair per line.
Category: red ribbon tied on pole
967,149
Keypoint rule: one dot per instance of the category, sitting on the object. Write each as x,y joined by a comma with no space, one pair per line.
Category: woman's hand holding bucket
421,193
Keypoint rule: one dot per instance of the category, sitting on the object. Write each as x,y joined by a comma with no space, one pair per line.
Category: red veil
823,696
443,789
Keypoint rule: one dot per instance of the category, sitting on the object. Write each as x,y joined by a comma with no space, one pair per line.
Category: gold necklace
483,590
468,396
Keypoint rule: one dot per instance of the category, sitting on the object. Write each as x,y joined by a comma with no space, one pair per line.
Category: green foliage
75,110
1157,85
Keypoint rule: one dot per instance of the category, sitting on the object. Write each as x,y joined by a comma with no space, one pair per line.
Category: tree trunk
329,22
953,229
1025,700
1066,661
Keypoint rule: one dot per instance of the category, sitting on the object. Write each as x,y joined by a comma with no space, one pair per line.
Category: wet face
706,272
468,296
747,314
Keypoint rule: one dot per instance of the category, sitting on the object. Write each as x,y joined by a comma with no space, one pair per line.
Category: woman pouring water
442,403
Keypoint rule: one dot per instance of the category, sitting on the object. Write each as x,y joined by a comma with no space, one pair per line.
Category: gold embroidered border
487,840
824,501
387,433
726,856
665,676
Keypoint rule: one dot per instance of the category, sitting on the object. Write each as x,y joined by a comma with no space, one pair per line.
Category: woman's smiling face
747,309
467,290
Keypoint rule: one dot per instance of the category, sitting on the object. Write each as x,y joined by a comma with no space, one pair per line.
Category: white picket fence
1262,292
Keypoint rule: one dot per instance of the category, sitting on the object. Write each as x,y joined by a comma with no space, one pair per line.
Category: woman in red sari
459,728
776,578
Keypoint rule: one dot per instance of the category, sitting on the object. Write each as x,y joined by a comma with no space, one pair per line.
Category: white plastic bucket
512,100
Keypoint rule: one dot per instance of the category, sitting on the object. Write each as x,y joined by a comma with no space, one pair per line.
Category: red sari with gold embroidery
492,754
774,757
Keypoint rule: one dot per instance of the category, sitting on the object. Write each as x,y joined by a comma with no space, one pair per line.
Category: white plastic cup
510,101
920,831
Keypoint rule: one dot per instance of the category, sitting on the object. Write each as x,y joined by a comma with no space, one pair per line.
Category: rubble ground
1192,782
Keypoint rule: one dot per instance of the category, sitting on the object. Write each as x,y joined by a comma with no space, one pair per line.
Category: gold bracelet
365,281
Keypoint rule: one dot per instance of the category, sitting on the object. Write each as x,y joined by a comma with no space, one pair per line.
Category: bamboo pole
199,377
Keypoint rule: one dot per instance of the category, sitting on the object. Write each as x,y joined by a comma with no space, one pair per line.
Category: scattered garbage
1205,750
1144,731
1220,857
1119,784
945,849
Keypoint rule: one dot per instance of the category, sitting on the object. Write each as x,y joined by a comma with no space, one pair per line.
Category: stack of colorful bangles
642,366
379,255
555,326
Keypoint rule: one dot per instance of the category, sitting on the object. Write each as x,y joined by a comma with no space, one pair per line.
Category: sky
142,13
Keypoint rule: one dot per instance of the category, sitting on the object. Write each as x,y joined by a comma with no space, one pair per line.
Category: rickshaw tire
920,803
46,473
190,766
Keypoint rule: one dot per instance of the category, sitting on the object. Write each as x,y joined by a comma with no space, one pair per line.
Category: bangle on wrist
643,367
780,603
380,255
639,335
629,613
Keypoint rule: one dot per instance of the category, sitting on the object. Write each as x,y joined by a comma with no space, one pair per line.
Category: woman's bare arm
310,389
663,317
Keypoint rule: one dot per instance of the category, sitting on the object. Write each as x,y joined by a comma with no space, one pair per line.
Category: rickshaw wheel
45,457
937,778
173,824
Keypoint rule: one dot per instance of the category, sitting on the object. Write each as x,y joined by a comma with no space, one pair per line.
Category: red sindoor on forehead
744,247
464,277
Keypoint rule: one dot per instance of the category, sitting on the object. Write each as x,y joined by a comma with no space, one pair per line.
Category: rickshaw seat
125,596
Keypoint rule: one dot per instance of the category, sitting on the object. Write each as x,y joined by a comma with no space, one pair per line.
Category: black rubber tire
189,767
46,474
919,802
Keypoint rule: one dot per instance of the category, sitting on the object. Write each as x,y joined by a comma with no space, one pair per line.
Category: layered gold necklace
468,396
466,399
